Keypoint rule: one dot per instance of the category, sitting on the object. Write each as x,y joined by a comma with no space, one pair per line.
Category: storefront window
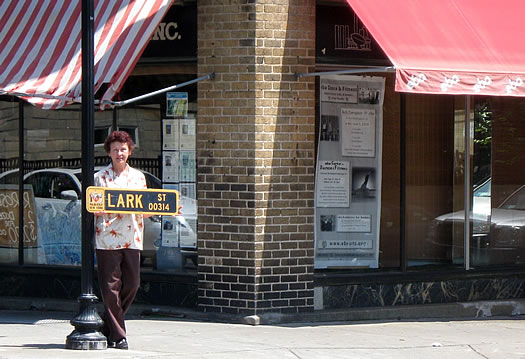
438,157
168,139
435,182
500,139
430,158
52,161
482,182
142,123
52,177
444,161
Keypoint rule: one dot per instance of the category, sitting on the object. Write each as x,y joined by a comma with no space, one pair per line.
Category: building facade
256,225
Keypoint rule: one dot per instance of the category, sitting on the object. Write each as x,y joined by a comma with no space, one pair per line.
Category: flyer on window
170,225
187,166
188,232
170,166
333,188
176,104
358,135
187,133
188,199
170,232
348,172
188,219
170,134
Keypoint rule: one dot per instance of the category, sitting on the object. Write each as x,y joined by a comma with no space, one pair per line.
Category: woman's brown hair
119,136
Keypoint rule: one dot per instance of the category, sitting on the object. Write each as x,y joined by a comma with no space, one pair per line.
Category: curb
450,311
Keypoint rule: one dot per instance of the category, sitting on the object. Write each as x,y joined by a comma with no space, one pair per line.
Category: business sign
175,37
341,36
145,201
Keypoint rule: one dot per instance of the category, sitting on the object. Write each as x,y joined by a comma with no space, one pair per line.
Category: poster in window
333,184
187,134
176,104
170,225
170,166
354,223
188,199
188,232
348,172
170,135
329,128
363,183
333,90
170,232
188,220
187,166
358,132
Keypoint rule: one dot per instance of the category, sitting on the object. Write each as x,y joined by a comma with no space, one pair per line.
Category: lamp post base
86,341
87,323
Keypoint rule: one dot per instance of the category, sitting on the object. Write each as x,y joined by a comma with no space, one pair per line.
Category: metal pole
209,76
86,335
402,184
348,71
467,185
21,182
114,124
158,92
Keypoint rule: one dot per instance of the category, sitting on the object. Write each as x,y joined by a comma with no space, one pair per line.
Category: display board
179,172
348,172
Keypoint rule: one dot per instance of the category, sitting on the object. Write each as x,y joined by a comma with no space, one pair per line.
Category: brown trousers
119,281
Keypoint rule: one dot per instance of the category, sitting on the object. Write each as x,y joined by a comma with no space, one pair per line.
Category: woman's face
119,153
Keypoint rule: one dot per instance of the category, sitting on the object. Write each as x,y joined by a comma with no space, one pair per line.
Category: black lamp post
87,322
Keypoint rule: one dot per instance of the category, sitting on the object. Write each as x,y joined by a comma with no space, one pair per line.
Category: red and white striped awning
472,47
40,46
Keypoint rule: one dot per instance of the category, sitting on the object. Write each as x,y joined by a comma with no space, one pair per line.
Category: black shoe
122,344
111,344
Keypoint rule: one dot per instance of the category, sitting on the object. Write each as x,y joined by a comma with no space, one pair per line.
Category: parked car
498,233
481,210
58,192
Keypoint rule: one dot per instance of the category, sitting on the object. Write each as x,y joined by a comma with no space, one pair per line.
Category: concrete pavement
42,334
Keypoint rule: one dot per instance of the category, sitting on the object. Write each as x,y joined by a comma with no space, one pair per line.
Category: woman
119,240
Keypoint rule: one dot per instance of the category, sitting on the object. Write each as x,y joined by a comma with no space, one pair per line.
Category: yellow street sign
120,200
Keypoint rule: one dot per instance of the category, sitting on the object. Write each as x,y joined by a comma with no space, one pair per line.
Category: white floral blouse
117,230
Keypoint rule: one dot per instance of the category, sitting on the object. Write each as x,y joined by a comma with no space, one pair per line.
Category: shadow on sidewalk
37,346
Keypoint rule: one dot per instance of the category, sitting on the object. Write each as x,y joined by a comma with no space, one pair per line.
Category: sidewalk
42,334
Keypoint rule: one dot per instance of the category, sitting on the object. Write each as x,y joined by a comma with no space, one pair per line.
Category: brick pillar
255,140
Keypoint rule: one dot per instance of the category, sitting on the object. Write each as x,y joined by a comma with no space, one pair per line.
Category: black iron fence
151,165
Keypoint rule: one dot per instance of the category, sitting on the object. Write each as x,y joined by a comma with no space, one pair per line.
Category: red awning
450,46
40,46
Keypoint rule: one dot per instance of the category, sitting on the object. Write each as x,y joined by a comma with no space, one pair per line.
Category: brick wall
255,140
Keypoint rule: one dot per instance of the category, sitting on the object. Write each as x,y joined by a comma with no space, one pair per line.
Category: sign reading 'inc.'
175,36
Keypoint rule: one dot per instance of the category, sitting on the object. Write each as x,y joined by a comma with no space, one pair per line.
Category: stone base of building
173,289
384,296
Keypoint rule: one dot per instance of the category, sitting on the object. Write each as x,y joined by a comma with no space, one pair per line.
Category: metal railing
151,165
